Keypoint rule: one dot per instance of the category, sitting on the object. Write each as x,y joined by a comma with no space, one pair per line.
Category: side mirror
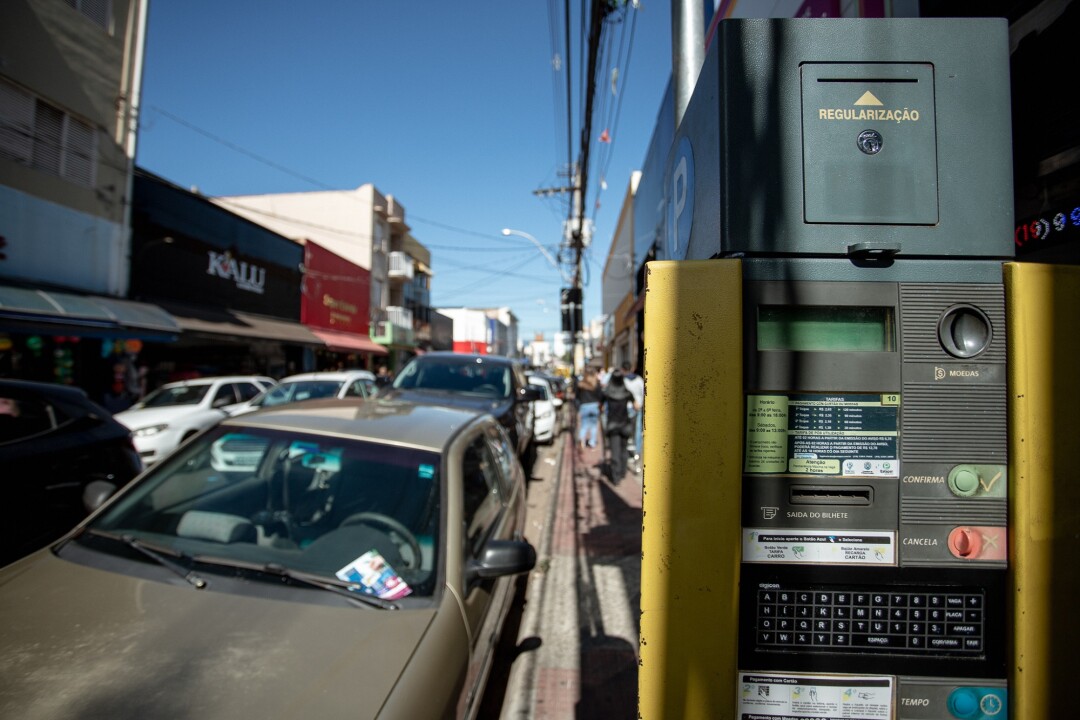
500,558
96,493
530,394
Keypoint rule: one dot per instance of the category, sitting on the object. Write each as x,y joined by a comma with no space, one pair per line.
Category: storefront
91,341
334,306
232,285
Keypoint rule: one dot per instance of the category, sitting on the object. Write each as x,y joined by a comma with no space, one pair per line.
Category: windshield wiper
154,555
345,589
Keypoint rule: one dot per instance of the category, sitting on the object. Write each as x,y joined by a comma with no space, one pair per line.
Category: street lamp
543,250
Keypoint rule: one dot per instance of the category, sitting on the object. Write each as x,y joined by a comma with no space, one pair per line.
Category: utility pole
578,243
597,13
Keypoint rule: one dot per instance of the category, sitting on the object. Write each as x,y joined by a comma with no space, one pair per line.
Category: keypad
927,621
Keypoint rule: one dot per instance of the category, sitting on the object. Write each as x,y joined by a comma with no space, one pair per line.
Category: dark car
492,383
361,565
54,442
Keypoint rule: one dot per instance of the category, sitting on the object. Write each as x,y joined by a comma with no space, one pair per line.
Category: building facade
69,108
368,229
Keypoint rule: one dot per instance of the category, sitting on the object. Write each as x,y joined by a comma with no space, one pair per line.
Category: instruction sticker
768,696
826,547
837,435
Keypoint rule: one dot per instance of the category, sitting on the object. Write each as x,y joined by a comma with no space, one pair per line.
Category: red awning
348,342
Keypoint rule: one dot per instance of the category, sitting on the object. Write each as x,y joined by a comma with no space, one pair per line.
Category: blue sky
453,108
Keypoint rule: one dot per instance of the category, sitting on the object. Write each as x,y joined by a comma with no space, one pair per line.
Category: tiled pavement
577,641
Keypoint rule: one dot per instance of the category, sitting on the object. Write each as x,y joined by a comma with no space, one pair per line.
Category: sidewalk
578,638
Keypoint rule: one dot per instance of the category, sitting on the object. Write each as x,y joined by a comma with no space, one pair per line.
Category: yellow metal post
1043,311
691,522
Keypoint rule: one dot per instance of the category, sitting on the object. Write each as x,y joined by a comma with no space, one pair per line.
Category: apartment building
70,72
368,229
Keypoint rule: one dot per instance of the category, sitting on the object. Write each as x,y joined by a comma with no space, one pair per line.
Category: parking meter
826,459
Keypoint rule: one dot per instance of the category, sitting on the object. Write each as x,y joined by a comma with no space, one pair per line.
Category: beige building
69,102
366,228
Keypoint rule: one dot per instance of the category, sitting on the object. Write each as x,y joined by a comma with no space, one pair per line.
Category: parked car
546,419
492,383
558,387
174,412
364,567
312,386
54,443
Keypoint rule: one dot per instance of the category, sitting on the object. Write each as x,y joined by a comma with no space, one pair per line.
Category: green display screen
825,328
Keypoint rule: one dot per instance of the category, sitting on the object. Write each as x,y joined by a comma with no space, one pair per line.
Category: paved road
572,651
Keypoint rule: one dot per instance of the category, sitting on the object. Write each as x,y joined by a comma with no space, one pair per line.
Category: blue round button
964,703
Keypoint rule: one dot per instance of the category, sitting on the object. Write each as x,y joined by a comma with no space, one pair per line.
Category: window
503,451
224,396
483,501
96,11
44,137
247,391
21,419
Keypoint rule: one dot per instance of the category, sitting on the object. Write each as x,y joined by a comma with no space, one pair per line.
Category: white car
168,416
545,415
312,386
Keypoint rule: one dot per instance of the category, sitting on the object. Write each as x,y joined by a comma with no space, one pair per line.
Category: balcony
417,295
401,267
396,328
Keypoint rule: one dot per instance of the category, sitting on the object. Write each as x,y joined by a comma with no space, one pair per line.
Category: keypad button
914,623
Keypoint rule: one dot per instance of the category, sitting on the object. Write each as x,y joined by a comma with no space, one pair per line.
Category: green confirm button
978,480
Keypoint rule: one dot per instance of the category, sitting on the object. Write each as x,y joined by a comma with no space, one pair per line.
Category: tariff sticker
837,435
768,696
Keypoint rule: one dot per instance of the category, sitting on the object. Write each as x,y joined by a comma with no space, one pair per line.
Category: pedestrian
615,402
636,385
383,377
587,399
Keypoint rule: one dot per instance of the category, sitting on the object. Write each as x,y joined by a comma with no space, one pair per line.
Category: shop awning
234,323
349,342
30,310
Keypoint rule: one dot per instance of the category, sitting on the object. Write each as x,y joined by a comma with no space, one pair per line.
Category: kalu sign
247,276
336,293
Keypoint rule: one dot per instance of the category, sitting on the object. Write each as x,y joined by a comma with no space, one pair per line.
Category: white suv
174,412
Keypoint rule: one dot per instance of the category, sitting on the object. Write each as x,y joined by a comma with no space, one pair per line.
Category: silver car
362,567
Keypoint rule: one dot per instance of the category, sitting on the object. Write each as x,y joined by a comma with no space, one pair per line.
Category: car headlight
151,430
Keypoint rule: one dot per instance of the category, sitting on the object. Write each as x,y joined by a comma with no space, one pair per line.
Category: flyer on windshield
375,576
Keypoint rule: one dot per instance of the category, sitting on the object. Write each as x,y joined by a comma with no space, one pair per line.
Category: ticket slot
831,495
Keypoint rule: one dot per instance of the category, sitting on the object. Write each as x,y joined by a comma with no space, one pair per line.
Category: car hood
145,417
495,406
83,642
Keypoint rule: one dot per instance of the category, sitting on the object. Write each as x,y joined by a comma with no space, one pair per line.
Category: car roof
463,357
390,421
329,375
210,380
31,388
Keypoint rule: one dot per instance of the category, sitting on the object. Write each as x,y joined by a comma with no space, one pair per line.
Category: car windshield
176,395
476,377
298,390
345,509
